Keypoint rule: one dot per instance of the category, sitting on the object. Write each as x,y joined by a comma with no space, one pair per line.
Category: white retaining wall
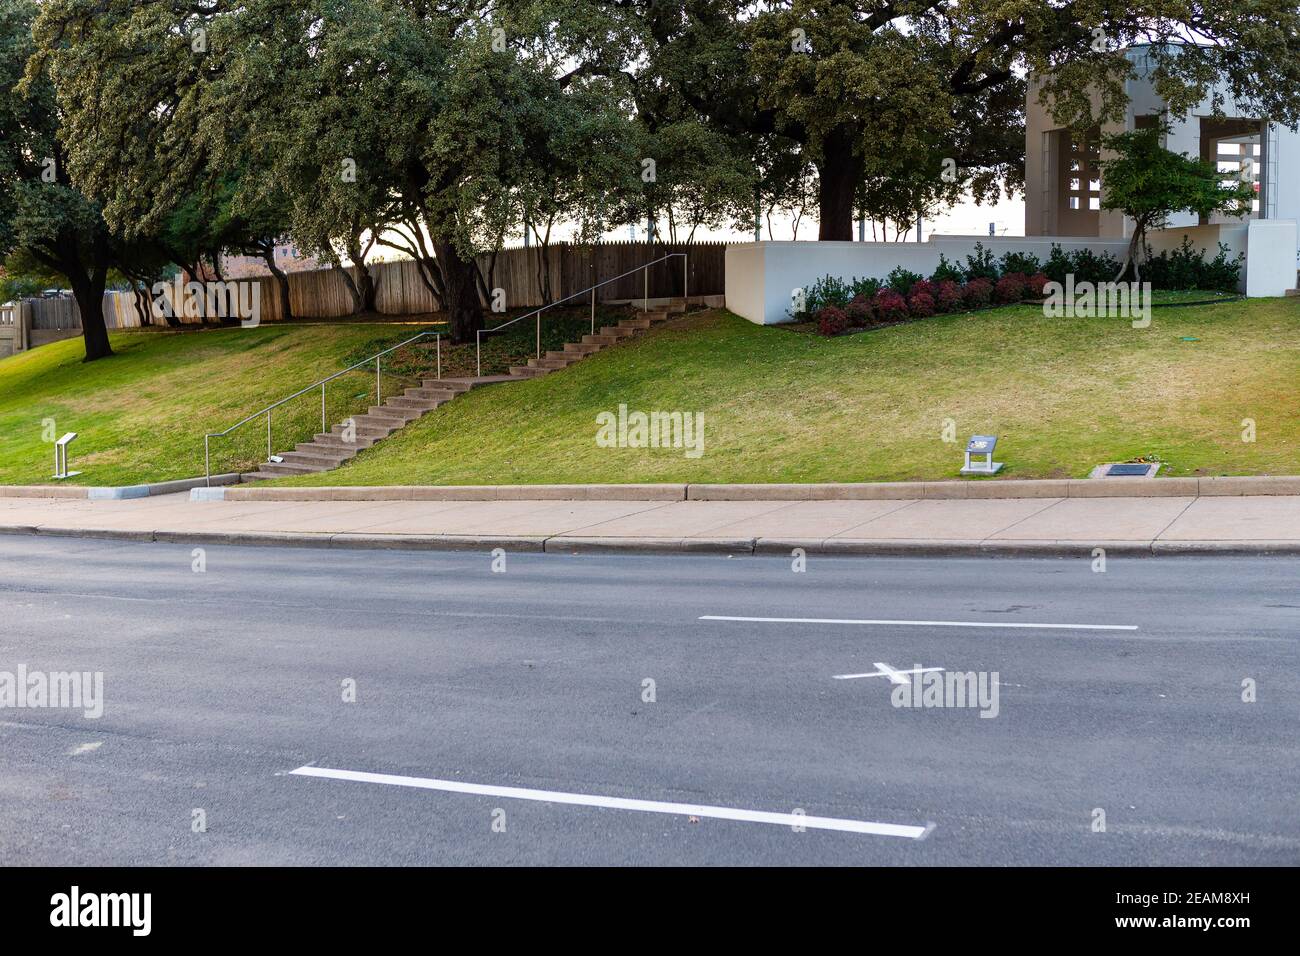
762,277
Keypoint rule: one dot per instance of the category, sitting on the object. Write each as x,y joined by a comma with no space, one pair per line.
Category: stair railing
643,269
377,358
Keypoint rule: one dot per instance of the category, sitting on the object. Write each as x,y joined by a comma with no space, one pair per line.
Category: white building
1063,186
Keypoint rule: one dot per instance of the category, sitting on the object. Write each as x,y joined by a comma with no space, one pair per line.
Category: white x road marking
895,676
624,803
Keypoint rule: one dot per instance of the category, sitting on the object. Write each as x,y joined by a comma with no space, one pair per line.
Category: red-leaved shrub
832,321
890,306
925,286
977,293
948,297
1035,284
920,304
861,312
1010,288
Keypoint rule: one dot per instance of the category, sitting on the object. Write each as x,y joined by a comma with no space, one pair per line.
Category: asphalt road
219,684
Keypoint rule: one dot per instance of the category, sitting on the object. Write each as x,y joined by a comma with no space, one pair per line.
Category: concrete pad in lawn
1098,519
683,519
963,519
1252,518
810,519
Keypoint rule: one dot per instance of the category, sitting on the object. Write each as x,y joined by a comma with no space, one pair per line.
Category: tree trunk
838,175
460,295
352,288
367,287
1131,253
88,290
282,281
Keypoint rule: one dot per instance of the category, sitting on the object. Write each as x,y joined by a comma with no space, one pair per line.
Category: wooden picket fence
323,294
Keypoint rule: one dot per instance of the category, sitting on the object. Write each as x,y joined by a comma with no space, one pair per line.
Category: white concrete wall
762,277
1270,257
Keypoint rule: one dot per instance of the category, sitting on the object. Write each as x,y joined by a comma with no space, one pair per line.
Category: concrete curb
865,491
115,492
636,492
560,544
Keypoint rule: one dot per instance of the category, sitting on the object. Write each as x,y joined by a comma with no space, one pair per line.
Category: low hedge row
925,298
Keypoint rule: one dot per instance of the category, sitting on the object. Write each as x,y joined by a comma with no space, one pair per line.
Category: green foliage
1186,268
1084,264
1024,263
901,280
981,265
865,287
828,290
1149,183
947,272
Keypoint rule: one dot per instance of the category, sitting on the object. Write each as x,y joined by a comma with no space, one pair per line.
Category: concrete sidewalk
1064,525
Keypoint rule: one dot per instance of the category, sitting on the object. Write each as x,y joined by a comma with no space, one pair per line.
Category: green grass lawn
141,415
1062,394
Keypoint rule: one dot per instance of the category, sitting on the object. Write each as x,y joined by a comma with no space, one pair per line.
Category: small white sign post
61,457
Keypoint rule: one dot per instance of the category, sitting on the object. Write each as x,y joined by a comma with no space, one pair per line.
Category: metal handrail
644,268
207,466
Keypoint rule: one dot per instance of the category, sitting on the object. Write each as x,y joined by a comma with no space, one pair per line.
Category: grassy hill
141,415
1062,394
778,405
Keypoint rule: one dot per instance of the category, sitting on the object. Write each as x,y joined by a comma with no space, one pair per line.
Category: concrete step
366,427
616,331
415,403
582,348
599,339
528,371
551,363
335,440
456,386
568,356
641,323
441,394
394,414
322,459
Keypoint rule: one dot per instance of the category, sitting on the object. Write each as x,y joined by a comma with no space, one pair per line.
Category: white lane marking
895,676
80,749
621,803
837,620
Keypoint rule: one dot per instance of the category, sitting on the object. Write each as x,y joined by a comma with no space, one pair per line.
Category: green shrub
826,291
946,272
981,265
1023,263
1186,268
864,287
901,280
1084,264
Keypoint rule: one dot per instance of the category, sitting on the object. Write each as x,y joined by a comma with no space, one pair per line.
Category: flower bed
838,307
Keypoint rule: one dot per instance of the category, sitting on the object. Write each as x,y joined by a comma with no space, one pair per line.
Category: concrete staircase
328,451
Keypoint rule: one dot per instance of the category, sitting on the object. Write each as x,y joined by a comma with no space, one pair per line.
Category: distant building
287,259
